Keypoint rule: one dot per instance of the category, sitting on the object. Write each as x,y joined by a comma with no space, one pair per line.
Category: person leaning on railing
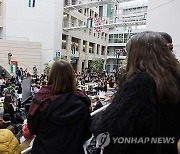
58,116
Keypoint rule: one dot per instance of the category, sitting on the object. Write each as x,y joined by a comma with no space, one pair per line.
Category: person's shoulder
141,78
5,134
8,137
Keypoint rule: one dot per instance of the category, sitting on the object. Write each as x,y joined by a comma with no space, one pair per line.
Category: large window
120,38
91,47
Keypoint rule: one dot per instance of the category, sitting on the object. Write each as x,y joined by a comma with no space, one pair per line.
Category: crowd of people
146,103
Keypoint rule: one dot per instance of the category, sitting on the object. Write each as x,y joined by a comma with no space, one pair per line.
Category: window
115,35
98,49
84,46
110,35
74,2
103,50
111,40
66,3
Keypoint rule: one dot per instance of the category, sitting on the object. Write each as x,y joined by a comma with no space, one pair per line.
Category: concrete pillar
69,20
105,58
100,48
88,12
76,23
68,47
87,52
80,49
95,49
79,65
87,47
83,11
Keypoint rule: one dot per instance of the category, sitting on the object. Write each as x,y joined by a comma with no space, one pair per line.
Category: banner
108,10
89,23
13,66
98,24
31,3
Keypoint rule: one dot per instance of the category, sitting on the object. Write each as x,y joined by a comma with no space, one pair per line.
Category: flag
12,68
89,23
31,3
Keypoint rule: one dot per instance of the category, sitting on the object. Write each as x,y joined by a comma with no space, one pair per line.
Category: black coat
62,127
135,112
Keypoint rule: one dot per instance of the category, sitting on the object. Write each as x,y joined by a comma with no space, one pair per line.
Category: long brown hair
148,52
7,101
62,78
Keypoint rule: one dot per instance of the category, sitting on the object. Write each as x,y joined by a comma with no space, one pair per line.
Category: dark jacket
61,123
135,112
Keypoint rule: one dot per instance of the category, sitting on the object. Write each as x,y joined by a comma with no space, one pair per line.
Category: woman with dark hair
59,117
148,103
8,107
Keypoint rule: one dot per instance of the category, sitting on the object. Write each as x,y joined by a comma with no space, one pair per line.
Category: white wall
43,23
165,18
27,54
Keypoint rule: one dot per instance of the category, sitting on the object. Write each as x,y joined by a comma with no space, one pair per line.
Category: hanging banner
31,3
13,66
98,24
109,10
89,22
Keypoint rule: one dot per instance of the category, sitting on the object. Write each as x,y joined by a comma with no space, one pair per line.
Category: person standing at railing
58,116
147,105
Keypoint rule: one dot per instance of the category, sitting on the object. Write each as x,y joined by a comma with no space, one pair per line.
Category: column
87,53
69,21
79,65
80,49
95,49
105,58
68,47
76,23
100,48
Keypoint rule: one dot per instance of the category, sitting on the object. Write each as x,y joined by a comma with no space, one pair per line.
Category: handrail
99,110
26,151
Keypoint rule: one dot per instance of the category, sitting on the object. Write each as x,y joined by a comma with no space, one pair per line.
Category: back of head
62,78
7,117
148,52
